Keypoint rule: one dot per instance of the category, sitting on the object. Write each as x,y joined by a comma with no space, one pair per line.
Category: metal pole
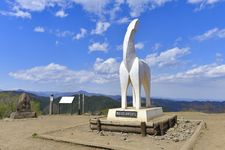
51,105
83,104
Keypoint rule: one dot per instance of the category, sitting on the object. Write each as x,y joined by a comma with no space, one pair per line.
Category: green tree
35,106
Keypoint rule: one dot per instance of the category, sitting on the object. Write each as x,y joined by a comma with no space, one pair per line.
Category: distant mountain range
115,97
98,102
59,94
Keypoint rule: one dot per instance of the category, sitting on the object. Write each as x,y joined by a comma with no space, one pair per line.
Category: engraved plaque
128,114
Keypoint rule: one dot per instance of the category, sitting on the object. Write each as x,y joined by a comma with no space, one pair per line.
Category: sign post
67,100
51,104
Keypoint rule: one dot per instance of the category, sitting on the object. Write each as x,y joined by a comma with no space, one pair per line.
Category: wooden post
99,125
170,123
161,128
143,128
175,119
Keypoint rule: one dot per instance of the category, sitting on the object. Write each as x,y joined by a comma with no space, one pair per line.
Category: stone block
21,115
132,114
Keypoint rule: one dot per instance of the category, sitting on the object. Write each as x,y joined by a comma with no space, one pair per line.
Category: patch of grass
34,135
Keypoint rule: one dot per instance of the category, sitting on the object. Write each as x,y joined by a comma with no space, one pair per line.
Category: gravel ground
180,132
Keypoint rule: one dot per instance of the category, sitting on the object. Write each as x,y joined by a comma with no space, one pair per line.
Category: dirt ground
17,134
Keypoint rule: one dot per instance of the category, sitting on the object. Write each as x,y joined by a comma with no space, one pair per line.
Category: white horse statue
133,71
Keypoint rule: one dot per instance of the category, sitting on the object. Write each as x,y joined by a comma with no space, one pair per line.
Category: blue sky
70,45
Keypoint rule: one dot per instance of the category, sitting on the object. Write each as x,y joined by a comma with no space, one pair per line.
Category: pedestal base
131,114
21,115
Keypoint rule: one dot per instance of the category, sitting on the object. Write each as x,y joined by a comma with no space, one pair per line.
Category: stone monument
135,72
23,108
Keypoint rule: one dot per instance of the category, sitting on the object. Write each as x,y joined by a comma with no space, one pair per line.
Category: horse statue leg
124,83
133,97
136,82
145,80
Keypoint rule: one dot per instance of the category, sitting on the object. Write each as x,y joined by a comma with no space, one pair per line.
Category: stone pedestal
21,115
132,114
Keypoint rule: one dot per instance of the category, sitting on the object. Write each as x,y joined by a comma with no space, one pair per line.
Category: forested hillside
97,104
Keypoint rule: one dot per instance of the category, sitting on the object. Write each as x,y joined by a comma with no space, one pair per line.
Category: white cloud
23,8
61,33
80,35
17,13
208,34
104,9
167,58
106,70
177,41
98,47
156,46
65,33
199,73
101,27
212,33
139,6
101,7
52,73
203,3
218,55
39,29
61,14
123,20
103,71
219,58
93,6
195,1
106,66
32,5
139,45
37,5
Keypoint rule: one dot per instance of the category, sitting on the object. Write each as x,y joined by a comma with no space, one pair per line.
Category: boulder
23,109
